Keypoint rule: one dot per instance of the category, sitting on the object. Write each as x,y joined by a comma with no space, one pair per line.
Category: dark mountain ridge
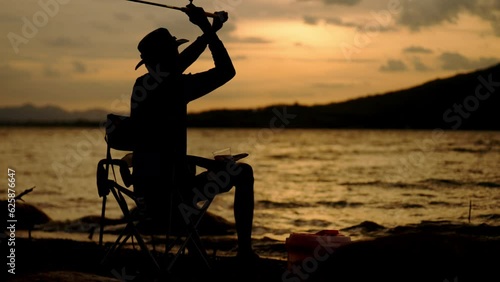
29,113
469,101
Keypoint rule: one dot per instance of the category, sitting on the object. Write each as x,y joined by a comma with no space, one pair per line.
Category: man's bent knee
245,175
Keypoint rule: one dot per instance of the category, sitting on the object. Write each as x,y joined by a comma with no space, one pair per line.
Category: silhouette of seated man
159,114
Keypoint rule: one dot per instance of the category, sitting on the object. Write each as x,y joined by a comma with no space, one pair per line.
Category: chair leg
194,236
117,244
191,234
126,234
103,215
145,248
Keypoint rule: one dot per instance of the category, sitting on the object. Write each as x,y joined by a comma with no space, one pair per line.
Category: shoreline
431,251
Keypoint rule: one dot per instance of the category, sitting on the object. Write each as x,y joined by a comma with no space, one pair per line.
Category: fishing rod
211,15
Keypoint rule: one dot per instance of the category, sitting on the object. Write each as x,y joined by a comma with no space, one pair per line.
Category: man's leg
244,208
243,181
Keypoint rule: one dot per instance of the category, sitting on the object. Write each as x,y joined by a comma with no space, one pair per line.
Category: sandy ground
440,252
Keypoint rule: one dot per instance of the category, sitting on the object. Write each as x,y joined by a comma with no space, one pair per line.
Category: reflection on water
306,180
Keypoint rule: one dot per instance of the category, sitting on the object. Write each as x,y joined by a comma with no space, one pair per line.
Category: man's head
159,46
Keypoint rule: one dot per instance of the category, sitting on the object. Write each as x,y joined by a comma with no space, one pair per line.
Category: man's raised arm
191,53
207,81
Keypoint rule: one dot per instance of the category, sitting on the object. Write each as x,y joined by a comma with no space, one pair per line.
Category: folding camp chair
119,137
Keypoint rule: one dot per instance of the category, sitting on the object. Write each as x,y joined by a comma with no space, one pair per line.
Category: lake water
305,180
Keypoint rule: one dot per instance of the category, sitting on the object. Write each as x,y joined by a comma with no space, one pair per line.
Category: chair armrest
204,162
124,169
128,159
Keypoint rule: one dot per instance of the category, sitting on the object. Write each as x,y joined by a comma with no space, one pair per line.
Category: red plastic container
313,246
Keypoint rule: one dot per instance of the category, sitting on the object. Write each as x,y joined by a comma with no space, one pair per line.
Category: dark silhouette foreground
159,101
424,252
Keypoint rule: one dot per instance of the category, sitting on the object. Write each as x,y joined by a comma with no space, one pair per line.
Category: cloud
417,49
49,71
8,74
251,39
422,13
456,61
341,2
425,13
79,67
366,26
310,20
343,60
496,27
339,22
66,41
393,66
123,17
239,58
419,66
332,85
7,17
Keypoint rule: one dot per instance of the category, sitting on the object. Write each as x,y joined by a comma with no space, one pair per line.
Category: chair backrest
119,132
119,136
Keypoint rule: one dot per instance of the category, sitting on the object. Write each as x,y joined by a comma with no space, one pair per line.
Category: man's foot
248,256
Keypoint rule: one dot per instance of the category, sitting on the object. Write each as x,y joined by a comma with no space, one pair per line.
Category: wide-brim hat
157,44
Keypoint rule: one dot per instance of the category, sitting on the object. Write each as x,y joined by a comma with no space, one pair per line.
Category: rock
27,215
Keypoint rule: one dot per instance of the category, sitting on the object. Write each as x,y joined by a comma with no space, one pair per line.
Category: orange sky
81,54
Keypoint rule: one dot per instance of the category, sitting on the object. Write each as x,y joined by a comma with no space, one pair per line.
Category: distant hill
48,115
449,103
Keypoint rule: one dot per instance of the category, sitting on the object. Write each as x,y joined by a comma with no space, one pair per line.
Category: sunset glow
81,54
